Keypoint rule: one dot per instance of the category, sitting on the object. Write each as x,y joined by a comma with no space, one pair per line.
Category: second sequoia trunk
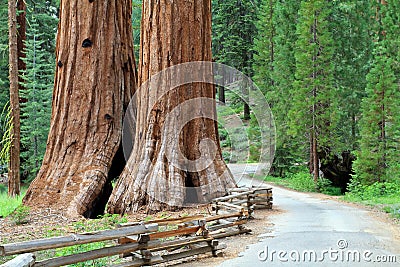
173,32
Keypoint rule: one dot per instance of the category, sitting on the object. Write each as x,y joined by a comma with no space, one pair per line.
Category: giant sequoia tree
94,80
173,32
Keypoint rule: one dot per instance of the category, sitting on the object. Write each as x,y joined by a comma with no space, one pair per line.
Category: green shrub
376,190
302,181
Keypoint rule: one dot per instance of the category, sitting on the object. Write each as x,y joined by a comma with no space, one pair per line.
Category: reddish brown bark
94,80
173,32
14,164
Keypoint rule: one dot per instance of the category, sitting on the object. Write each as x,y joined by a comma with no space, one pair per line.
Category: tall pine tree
313,112
351,20
274,70
38,77
380,124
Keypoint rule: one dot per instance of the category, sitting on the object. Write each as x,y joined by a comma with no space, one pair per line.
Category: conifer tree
274,69
380,124
350,23
313,111
36,111
233,40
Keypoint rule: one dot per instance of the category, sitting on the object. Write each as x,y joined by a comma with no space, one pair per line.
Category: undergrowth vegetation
301,180
7,204
384,195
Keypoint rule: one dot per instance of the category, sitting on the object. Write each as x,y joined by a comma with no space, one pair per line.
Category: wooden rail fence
156,241
244,199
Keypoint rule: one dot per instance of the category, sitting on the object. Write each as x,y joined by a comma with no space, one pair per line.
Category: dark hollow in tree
173,32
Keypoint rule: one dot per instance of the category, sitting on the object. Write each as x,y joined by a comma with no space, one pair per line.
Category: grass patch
7,204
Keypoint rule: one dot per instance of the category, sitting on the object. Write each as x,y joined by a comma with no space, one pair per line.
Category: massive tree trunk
14,164
94,80
173,32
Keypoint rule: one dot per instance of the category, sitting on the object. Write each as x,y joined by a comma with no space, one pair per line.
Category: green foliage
301,180
385,195
233,28
314,111
20,215
4,83
38,82
351,29
6,128
264,46
373,191
378,157
136,20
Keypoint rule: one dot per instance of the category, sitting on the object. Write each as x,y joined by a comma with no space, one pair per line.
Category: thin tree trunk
315,159
95,78
173,32
14,164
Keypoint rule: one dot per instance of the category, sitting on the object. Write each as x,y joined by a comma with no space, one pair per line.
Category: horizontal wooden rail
75,239
167,221
92,255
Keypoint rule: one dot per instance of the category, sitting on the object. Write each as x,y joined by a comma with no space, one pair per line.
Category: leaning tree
176,157
94,80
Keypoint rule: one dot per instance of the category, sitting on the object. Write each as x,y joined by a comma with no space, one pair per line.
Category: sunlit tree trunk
173,32
95,78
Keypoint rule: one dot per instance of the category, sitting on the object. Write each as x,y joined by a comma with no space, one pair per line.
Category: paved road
313,231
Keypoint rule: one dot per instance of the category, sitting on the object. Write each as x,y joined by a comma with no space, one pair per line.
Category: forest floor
46,223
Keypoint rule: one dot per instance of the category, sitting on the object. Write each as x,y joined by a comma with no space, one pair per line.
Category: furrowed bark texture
94,80
173,32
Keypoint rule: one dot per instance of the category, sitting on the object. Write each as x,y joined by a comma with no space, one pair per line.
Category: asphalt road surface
313,230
